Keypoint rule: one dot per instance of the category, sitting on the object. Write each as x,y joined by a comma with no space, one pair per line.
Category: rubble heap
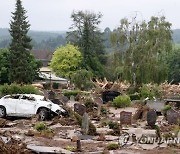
170,90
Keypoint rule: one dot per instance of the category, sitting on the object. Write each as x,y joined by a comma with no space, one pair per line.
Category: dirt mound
13,147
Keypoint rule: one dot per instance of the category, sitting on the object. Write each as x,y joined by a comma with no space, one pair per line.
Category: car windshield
30,98
12,96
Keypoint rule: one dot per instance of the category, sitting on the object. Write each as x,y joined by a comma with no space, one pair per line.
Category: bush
55,85
42,127
122,101
146,92
113,146
135,96
112,124
103,110
71,93
90,104
82,79
150,91
17,89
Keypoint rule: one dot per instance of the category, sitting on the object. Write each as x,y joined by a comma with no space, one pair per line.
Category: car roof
38,97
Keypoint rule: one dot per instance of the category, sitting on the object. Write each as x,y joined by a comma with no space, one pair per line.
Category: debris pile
12,146
170,90
111,86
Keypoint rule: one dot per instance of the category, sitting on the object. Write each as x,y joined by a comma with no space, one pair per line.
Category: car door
26,106
10,104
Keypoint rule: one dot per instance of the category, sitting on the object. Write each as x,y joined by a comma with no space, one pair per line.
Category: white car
27,105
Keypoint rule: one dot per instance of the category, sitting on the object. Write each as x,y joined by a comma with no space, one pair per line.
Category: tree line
141,51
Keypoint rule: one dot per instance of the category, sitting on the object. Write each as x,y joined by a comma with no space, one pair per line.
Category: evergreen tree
87,36
21,68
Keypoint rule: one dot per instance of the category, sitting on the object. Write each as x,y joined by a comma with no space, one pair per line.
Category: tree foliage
66,60
82,79
4,66
174,66
23,67
87,36
143,48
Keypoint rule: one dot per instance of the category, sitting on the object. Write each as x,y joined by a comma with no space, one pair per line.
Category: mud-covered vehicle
28,105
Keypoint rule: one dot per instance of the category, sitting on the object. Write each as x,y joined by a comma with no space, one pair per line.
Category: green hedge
71,93
122,101
17,89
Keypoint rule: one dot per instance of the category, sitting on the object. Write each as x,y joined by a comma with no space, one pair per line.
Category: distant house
44,56
46,75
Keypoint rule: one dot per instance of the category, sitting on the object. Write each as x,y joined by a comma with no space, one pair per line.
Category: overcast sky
54,15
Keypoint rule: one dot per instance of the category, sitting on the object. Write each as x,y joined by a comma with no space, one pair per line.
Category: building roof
51,76
45,69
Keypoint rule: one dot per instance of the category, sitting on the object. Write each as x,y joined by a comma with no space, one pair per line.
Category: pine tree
86,35
21,68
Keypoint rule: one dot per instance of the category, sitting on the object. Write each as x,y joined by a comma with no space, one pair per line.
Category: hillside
40,39
50,40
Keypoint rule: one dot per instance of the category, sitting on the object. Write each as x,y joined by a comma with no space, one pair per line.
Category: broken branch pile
170,89
111,86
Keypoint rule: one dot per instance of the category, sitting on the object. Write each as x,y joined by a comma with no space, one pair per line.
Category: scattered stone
85,137
80,109
44,149
151,118
111,138
126,118
65,99
3,122
85,124
72,98
30,133
157,104
148,146
74,138
141,113
101,137
98,100
172,116
5,139
51,95
78,146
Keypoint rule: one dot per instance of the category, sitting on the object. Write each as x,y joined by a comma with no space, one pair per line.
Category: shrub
113,146
150,91
103,123
115,127
146,92
112,124
71,93
42,127
90,104
82,79
135,96
122,101
103,110
17,89
55,85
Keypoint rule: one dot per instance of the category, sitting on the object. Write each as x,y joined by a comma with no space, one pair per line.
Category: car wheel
43,114
2,112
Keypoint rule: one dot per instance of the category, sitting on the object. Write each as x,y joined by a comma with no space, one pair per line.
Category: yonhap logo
131,138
